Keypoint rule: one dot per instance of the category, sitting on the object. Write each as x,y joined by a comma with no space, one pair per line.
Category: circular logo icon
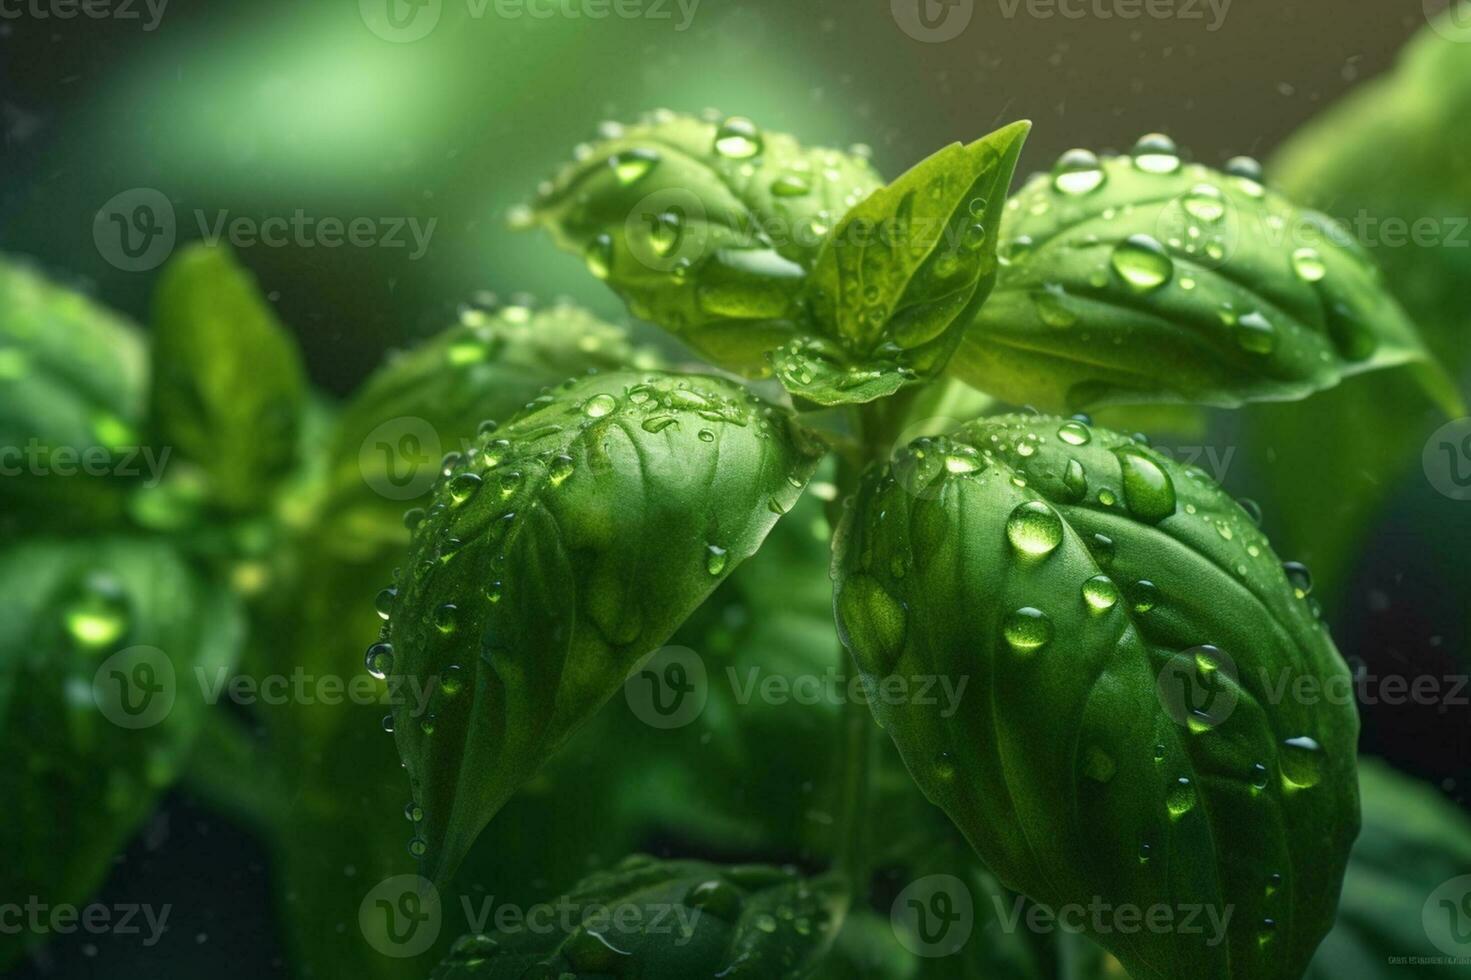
401,916
1447,459
934,916
1198,687
1451,19
401,21
667,230
135,230
400,458
1447,917
670,689
933,21
135,687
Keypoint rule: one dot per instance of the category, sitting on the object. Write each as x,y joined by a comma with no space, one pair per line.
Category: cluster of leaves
623,503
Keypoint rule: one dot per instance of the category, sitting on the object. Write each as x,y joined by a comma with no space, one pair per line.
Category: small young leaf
73,381
558,552
1132,647
707,228
894,281
228,382
100,641
667,920
1143,278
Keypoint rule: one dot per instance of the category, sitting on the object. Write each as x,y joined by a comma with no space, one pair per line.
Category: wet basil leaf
73,378
228,381
100,641
667,920
708,228
1143,278
894,283
1131,644
425,402
1395,898
559,551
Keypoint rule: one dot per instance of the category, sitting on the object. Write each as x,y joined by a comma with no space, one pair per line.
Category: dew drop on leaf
1308,264
1302,762
98,616
1100,593
1255,333
1027,630
1149,493
1156,153
633,165
738,139
1142,262
1077,172
379,660
1034,529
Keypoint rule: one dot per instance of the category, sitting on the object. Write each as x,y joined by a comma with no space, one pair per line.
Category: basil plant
1115,626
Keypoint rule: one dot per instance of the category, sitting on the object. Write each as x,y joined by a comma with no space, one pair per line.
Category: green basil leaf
1142,278
1414,844
73,378
893,284
1126,632
228,381
558,553
426,402
99,644
667,920
704,227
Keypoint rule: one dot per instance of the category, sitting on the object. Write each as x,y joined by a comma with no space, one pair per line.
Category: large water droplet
379,660
738,139
1149,493
715,559
1034,528
633,165
1302,762
599,405
1299,578
1180,797
1027,630
1142,262
1205,202
1255,333
1308,264
1100,593
599,256
1074,433
1077,172
462,487
1156,153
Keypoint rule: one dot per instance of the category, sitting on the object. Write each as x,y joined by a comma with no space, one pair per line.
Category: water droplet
1100,593
1144,596
1308,264
1259,776
599,256
962,459
1245,167
1141,262
599,405
462,487
658,423
706,435
418,847
1255,333
715,559
1074,433
379,660
1302,762
98,616
1149,493
1144,849
1077,172
1180,798
1074,480
387,724
1034,528
1102,547
446,617
633,165
452,682
944,768
560,468
413,812
738,139
791,185
1299,578
716,896
1027,629
1051,304
1156,153
1205,202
